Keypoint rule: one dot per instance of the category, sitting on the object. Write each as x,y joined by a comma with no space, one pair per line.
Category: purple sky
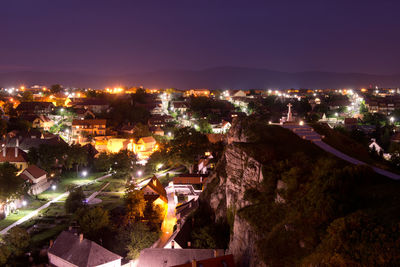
119,37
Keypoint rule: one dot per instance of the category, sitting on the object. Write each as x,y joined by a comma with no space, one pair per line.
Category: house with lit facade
82,129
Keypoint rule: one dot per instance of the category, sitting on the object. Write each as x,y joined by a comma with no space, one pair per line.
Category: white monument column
289,114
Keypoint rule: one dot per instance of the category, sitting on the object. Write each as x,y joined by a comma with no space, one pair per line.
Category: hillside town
113,177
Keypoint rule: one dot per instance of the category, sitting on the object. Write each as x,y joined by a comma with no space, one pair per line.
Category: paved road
308,133
35,212
167,227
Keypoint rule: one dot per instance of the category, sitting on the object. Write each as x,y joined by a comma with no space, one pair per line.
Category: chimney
194,263
80,238
189,244
215,253
172,244
51,243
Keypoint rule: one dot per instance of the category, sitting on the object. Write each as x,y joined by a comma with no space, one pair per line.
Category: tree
17,240
3,127
141,130
103,162
154,214
135,204
92,221
8,109
205,126
363,108
187,146
122,163
11,185
4,254
75,200
55,88
76,155
140,238
27,96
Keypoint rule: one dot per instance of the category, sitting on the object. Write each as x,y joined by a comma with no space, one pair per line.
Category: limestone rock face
237,173
237,133
243,244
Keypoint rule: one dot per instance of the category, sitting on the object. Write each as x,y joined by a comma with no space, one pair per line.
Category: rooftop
70,248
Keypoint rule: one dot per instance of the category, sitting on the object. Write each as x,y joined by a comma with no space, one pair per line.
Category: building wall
57,261
20,165
116,263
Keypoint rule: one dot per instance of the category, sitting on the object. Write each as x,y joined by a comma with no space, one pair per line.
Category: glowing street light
24,203
169,134
84,173
62,110
54,187
391,119
336,114
139,173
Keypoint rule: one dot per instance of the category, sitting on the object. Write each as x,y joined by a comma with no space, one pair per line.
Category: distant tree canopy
48,156
129,110
203,106
55,88
11,185
27,96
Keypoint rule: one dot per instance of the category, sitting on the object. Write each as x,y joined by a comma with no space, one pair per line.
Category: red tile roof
35,171
10,155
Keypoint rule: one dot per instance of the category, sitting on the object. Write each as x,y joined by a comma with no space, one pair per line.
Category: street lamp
139,173
391,119
169,134
54,187
336,114
24,203
84,173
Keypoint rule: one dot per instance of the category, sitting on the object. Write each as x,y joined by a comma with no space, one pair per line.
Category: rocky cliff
236,172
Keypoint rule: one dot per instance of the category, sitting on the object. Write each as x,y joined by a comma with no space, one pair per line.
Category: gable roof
31,106
28,143
89,122
35,171
10,155
157,187
147,139
81,253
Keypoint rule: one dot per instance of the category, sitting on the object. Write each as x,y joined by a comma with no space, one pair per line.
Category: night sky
119,37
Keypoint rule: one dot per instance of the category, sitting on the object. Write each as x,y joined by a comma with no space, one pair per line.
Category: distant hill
214,78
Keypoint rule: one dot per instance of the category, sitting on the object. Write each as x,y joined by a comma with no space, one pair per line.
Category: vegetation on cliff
313,209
